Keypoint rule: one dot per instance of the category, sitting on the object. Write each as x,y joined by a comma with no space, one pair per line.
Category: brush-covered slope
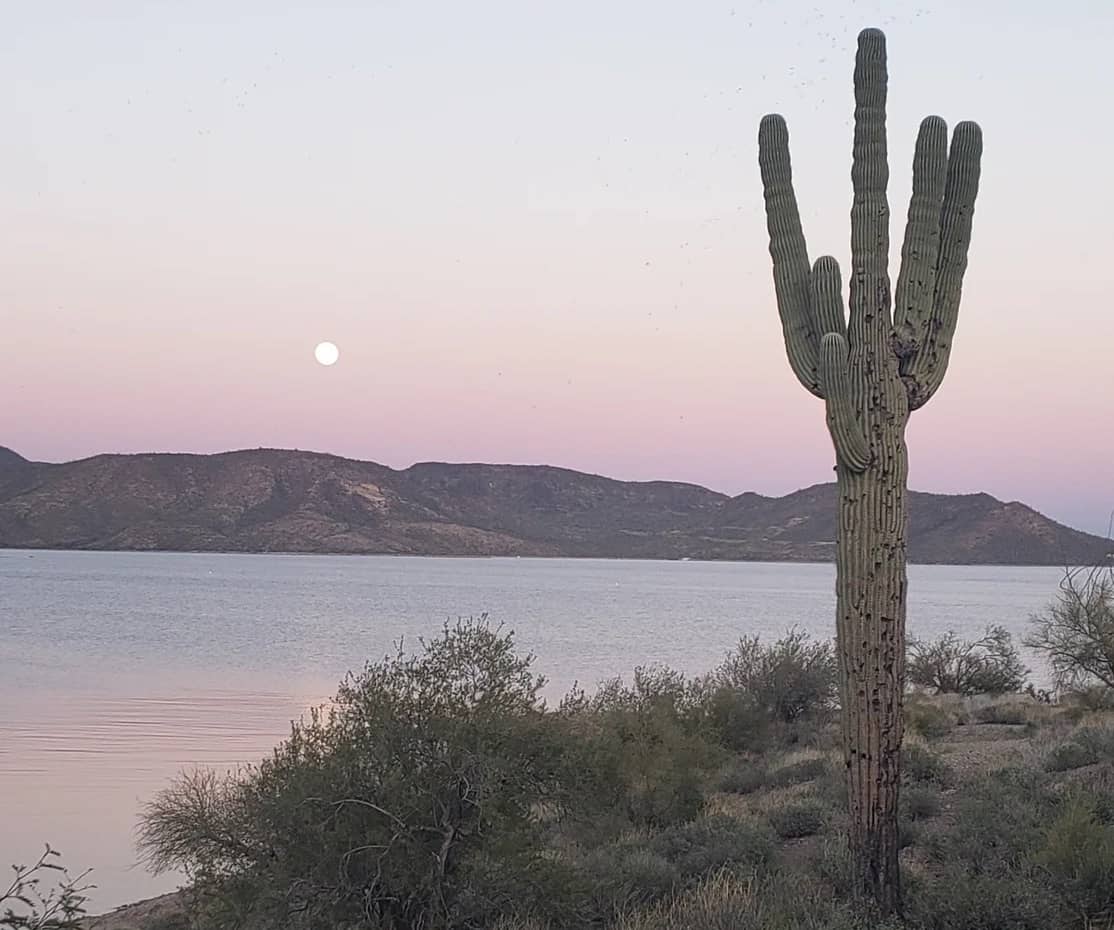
272,500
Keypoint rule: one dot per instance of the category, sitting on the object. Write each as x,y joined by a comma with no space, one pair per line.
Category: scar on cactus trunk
872,370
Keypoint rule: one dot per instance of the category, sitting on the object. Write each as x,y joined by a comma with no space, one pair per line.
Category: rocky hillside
273,500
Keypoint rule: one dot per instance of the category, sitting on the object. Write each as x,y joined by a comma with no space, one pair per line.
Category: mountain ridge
282,500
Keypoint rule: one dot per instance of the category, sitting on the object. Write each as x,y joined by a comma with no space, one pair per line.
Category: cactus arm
964,165
852,448
789,253
916,282
827,296
841,401
870,174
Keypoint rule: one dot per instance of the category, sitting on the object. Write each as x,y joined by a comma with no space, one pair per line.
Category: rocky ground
162,913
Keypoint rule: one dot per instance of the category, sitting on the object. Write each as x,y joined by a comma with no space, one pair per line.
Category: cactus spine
871,371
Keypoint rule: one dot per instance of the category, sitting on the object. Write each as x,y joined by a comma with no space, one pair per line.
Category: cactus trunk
870,632
872,370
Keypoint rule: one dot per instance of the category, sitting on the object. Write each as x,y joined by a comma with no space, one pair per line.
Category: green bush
647,746
1012,714
783,900
984,877
625,877
923,765
1086,746
1098,740
949,665
1078,854
637,870
1068,756
743,776
928,720
999,819
387,809
169,922
792,679
802,818
830,790
1093,698
1021,852
734,719
833,867
920,802
956,898
797,773
702,846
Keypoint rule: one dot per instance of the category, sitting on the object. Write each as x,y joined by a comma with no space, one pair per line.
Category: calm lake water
119,669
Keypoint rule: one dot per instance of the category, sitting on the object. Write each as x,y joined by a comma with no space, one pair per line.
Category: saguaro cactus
871,371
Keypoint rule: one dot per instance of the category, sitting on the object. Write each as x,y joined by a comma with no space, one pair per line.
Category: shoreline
509,558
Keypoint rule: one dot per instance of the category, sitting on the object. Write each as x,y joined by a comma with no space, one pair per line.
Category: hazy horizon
535,233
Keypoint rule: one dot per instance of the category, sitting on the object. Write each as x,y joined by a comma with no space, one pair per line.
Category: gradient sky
535,231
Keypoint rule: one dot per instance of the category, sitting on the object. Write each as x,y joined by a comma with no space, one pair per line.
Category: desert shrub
1068,756
777,901
624,877
388,809
999,819
647,746
792,679
743,776
984,876
833,867
920,802
734,718
637,870
169,922
1086,746
920,764
1092,698
1022,852
950,665
797,819
709,843
797,773
830,788
1076,633
955,898
928,720
1078,854
1011,713
26,904
1071,713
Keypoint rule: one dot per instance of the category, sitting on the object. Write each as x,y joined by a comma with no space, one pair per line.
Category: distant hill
10,458
274,500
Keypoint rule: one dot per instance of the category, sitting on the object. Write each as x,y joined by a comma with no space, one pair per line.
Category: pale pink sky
535,233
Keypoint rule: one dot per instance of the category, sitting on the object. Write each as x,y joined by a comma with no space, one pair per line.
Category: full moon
326,353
